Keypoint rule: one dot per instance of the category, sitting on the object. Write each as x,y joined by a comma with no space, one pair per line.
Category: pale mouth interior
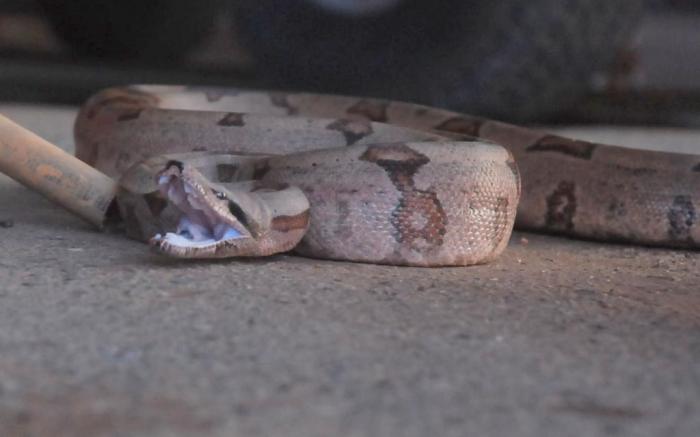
199,226
189,234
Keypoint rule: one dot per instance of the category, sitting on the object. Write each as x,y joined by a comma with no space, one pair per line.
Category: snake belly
399,183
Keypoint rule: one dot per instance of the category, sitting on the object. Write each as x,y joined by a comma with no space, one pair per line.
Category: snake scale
218,172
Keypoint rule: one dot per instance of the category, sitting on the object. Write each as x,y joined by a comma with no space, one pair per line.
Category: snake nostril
173,163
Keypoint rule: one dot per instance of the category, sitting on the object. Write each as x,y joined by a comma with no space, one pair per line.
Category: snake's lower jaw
177,246
188,242
202,236
193,240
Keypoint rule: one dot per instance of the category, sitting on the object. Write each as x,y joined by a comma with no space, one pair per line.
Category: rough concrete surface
99,337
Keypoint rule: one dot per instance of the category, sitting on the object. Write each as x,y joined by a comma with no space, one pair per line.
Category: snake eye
219,195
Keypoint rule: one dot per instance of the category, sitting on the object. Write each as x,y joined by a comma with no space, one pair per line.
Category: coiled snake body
227,172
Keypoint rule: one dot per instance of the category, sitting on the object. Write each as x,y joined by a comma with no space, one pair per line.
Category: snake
209,172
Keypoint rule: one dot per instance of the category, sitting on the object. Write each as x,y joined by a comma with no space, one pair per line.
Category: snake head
202,218
209,215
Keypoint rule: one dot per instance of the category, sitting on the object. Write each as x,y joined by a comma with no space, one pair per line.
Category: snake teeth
182,241
200,226
190,234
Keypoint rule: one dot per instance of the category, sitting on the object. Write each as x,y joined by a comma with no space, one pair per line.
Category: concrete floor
99,337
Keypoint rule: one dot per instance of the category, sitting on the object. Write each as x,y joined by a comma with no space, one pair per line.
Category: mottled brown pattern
212,94
583,189
281,100
419,220
567,146
681,218
130,115
260,170
373,110
232,119
616,209
462,125
126,97
635,171
352,130
286,223
226,172
561,207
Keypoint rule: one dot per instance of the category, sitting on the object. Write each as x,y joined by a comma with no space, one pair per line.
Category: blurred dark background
514,60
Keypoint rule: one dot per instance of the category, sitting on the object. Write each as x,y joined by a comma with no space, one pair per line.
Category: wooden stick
61,177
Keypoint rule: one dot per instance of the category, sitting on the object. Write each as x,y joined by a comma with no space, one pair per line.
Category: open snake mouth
208,217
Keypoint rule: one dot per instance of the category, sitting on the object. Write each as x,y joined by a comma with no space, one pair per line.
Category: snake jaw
208,218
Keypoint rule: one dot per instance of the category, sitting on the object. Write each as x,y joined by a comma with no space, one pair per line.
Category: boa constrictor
214,172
